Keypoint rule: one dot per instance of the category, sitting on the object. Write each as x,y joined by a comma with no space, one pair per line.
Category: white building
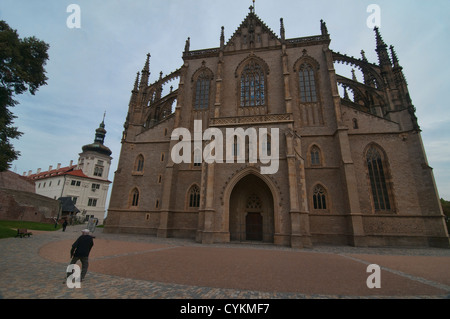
86,183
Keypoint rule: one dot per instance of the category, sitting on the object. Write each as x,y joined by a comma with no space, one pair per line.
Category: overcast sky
92,69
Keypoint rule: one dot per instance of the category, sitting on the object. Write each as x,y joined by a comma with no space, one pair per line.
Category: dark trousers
84,265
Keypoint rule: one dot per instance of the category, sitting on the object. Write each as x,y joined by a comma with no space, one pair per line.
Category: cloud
93,69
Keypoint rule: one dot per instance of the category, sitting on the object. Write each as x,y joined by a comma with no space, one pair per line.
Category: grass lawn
6,227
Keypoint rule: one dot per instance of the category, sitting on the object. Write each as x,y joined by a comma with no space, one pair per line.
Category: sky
92,69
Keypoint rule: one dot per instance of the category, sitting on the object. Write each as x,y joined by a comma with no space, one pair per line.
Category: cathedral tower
351,169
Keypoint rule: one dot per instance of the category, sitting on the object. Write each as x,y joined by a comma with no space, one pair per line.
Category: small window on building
319,198
92,202
98,171
315,156
139,164
135,198
197,157
194,196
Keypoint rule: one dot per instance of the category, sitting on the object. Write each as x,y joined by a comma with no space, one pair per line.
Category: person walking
81,249
64,225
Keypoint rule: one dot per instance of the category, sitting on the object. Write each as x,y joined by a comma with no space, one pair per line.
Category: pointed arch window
377,176
307,82
253,85
315,155
194,197
135,198
202,90
197,157
139,164
319,198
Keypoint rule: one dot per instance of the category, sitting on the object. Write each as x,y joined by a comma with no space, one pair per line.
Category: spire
381,49
145,72
380,41
187,45
323,27
354,76
100,132
394,56
222,38
282,30
363,55
136,83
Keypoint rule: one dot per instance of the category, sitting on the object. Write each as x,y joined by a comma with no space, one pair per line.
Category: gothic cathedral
351,169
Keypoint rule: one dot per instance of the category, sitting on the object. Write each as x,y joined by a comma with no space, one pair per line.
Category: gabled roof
67,205
250,23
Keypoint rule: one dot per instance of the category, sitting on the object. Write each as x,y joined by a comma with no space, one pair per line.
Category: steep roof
250,23
67,205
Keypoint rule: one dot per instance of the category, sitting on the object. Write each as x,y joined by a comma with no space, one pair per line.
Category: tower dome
98,145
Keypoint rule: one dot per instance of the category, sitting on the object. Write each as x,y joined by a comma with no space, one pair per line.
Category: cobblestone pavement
141,267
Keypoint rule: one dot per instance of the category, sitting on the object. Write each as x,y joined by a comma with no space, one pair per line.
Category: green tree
22,63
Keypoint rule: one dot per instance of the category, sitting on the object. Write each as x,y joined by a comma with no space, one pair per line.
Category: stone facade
18,200
350,171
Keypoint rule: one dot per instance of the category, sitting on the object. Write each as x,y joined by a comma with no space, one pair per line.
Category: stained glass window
202,92
378,180
252,85
319,198
194,196
307,84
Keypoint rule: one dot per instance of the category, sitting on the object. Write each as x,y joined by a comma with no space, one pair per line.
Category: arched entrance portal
251,210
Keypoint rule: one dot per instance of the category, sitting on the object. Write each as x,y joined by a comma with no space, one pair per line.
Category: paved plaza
141,267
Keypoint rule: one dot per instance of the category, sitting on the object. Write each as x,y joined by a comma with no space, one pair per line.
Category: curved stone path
141,267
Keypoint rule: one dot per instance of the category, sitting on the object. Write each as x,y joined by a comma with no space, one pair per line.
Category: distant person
64,225
80,251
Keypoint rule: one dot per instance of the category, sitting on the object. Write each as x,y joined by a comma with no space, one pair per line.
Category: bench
22,232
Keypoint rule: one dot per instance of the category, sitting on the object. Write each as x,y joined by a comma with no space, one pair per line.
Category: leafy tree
22,64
